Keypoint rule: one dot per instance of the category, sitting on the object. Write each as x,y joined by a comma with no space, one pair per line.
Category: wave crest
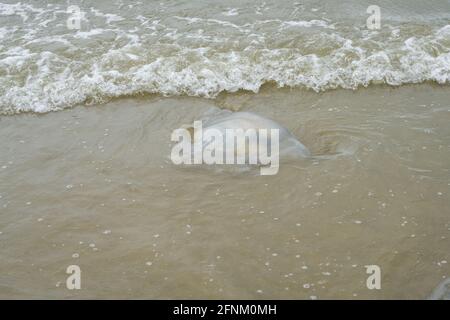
52,72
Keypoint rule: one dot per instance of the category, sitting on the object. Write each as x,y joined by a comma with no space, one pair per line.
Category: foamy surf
164,50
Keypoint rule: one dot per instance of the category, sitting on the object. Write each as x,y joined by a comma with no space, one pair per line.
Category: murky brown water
94,186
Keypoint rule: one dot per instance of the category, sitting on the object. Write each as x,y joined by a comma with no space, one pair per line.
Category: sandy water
94,186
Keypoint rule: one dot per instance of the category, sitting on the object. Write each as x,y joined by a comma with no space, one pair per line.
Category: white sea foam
46,67
307,24
231,12
22,10
109,17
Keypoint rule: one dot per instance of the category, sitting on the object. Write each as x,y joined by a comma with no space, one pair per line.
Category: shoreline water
364,87
218,101
94,186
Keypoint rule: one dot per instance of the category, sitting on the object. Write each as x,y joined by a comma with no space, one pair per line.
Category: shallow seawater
94,186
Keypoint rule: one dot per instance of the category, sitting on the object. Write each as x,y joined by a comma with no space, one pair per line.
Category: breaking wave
42,70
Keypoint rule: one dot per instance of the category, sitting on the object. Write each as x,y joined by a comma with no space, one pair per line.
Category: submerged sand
94,186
